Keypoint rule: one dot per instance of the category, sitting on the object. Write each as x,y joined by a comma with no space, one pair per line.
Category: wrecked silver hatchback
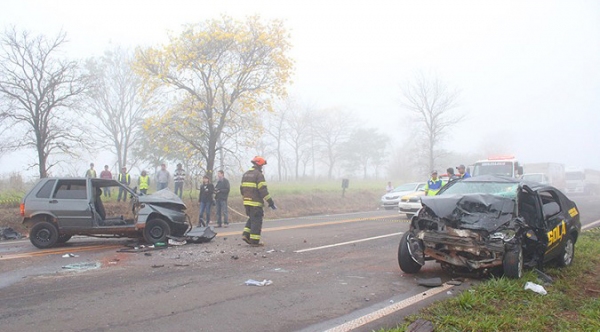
491,223
55,209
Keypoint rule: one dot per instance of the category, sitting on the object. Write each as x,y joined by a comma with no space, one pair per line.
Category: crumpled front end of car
471,231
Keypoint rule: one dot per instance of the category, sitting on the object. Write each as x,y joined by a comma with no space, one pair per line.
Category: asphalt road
325,271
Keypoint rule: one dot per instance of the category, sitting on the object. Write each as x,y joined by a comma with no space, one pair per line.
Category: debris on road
69,255
430,282
82,266
173,242
157,266
543,277
234,257
455,282
535,287
7,233
252,282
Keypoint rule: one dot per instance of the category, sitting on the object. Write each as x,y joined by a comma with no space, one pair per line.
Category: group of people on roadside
434,184
163,178
253,190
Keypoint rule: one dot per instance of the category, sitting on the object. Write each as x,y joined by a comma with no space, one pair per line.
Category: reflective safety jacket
433,186
144,182
254,188
124,178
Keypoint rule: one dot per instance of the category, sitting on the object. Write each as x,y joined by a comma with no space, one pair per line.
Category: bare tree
298,137
430,102
365,147
39,90
276,128
119,106
331,129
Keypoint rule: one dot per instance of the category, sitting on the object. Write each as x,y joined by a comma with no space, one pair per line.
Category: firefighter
254,191
433,185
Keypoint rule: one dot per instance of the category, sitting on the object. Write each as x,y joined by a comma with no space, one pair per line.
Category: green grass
500,304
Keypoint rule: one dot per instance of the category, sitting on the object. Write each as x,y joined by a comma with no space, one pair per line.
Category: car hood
471,211
161,197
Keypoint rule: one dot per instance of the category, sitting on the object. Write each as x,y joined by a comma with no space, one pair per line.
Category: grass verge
500,304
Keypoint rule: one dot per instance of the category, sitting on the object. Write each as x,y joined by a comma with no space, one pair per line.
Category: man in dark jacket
206,200
221,194
254,191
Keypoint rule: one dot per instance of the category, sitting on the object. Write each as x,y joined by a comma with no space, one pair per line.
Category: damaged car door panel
490,222
56,209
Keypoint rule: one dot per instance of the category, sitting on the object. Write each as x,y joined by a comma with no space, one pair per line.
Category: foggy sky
528,72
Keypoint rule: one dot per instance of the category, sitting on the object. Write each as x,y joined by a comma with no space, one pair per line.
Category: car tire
513,262
63,238
405,261
43,235
568,252
156,230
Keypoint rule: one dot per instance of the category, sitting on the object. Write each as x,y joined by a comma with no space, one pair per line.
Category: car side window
46,189
549,197
70,189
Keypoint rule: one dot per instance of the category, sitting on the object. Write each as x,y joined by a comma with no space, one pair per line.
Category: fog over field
528,73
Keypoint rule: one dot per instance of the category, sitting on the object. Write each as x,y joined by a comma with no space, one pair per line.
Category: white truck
546,173
582,181
498,165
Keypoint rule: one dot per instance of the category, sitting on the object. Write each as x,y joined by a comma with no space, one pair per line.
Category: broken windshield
504,189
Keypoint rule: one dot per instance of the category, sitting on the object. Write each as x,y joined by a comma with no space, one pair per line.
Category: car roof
505,179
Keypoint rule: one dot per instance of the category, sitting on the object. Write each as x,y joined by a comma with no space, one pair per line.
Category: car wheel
405,260
63,238
513,262
43,235
568,252
156,230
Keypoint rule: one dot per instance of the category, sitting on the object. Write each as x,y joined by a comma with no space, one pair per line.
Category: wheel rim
568,255
156,232
43,235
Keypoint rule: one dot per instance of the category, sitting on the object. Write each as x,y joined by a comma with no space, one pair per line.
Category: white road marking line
349,242
591,225
368,318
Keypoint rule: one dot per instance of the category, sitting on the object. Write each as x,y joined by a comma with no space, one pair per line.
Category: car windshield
505,189
405,187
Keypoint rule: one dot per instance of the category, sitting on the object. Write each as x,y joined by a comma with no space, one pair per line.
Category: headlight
505,235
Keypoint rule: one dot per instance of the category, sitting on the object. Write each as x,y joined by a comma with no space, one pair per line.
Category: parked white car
390,200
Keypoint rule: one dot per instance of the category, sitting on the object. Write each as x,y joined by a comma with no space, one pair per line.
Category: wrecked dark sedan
491,223
55,209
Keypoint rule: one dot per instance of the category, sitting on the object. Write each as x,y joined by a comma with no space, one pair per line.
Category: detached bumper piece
197,235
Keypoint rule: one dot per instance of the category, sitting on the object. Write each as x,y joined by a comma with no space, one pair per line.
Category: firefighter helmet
259,161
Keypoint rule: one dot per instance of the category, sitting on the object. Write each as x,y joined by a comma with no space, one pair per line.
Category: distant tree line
210,98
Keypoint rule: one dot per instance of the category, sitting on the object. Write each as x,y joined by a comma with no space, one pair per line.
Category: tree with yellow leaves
221,72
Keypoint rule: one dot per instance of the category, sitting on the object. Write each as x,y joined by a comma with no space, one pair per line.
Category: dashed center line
349,242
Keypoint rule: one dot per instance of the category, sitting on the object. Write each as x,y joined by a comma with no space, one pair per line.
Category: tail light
22,209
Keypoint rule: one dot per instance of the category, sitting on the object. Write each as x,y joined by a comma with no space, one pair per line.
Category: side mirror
550,209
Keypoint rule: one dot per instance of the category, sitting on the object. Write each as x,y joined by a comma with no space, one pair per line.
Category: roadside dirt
288,206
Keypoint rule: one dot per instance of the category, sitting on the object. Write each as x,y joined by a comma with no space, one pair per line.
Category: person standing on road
144,183
106,174
125,179
178,179
433,185
221,193
389,187
91,173
206,200
462,174
254,191
162,177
